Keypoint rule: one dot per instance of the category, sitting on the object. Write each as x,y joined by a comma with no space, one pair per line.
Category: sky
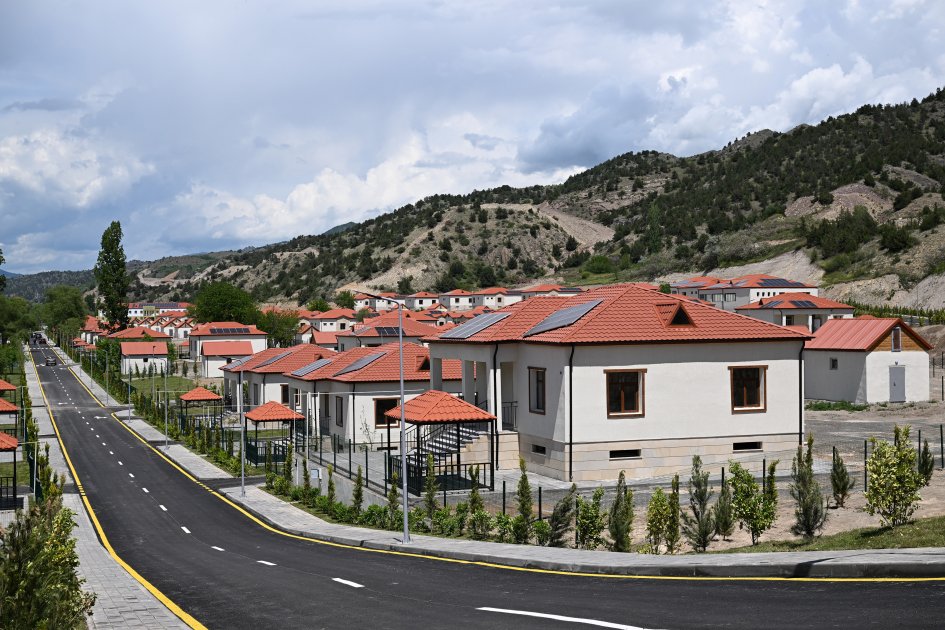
211,125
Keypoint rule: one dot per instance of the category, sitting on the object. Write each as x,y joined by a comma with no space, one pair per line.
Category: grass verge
828,405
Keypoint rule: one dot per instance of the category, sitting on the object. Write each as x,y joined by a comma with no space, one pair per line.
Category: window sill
749,409
629,414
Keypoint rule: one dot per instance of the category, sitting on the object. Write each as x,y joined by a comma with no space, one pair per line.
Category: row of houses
616,378
457,299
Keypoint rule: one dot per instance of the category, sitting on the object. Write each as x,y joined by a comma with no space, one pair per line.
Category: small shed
867,360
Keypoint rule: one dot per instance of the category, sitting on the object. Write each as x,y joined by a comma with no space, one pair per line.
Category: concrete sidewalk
121,602
905,563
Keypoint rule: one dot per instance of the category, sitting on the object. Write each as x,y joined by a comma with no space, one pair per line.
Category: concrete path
121,602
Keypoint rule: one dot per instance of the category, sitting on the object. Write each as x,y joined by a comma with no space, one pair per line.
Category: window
339,411
255,394
627,453
342,325
897,339
788,320
834,363
816,322
284,394
381,406
748,388
746,446
625,393
729,297
537,449
536,390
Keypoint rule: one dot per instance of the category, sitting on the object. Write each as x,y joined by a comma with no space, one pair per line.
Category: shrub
620,519
894,482
280,485
699,527
430,489
480,525
374,516
753,508
475,499
462,517
542,531
840,481
522,523
599,264
330,494
589,522
671,536
443,522
503,528
926,463
657,519
723,513
810,511
357,494
417,520
270,480
394,514
562,518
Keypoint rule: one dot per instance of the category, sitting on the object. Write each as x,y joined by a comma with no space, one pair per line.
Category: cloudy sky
214,125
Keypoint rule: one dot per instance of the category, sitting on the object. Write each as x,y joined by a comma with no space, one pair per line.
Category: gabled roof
200,394
696,283
92,324
8,443
319,337
7,407
143,348
224,329
457,292
335,313
226,348
493,291
388,328
793,300
622,314
139,332
548,288
760,281
423,294
434,406
861,334
273,412
6,386
385,368
281,360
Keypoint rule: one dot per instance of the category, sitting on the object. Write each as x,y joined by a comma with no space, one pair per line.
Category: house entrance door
897,383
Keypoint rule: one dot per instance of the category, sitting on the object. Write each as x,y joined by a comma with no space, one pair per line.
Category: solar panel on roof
278,357
360,363
779,282
562,318
229,331
387,331
237,363
475,325
773,304
311,367
805,304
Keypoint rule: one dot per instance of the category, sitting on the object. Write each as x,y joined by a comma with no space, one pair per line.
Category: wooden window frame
544,392
763,407
894,336
833,363
393,424
642,387
285,397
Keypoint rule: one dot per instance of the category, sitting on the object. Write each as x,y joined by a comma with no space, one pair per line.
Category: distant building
731,294
797,309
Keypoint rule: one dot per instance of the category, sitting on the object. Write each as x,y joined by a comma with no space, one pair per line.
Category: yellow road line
164,599
480,563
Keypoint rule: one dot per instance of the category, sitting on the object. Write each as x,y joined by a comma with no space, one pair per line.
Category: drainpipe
571,415
497,403
800,396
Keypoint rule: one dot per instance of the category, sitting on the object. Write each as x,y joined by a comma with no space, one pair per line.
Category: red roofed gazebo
443,424
201,398
8,444
271,412
9,409
6,387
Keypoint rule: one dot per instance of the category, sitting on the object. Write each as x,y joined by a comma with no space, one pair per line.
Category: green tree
571,244
357,494
562,518
810,510
330,493
345,299
223,302
699,526
112,277
319,304
589,522
405,286
431,487
752,507
894,482
522,523
280,326
840,481
394,513
926,463
672,526
63,303
3,278
657,520
620,521
17,318
172,358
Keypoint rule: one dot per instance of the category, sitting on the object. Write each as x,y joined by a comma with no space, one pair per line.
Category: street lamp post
166,402
242,421
107,403
403,434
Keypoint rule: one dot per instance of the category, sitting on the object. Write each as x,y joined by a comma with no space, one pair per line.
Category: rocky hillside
855,203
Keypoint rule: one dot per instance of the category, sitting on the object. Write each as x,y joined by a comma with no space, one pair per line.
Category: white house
867,360
495,297
627,378
347,394
421,300
548,290
730,294
264,373
384,329
797,309
225,331
142,355
335,320
214,355
691,287
456,300
148,309
377,301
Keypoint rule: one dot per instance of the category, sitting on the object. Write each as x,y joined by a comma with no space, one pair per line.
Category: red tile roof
335,313
143,348
226,348
411,327
206,330
319,338
299,356
7,407
6,387
457,292
139,332
434,406
8,443
858,334
92,324
386,368
548,288
790,300
756,281
200,394
423,294
626,314
492,291
273,412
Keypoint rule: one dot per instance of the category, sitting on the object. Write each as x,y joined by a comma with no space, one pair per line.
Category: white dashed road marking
268,564
119,463
218,548
145,490
589,622
186,531
162,507
132,475
347,583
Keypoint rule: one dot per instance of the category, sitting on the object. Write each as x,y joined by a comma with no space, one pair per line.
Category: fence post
444,494
503,496
349,459
366,468
941,444
539,503
386,470
865,479
918,448
764,467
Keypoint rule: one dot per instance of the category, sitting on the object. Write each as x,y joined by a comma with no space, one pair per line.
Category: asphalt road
229,572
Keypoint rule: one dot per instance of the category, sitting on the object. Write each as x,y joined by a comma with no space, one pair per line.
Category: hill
9,274
855,201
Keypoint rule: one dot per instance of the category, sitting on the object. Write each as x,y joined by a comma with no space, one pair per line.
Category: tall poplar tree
112,277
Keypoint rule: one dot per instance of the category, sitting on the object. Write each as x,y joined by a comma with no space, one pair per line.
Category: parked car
50,361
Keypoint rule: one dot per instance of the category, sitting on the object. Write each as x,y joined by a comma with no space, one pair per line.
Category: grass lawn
22,470
175,384
924,532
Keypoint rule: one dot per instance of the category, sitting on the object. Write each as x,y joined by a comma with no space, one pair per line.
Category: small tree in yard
753,508
699,527
393,503
657,520
894,482
287,465
562,518
430,489
330,493
306,476
480,523
723,514
926,463
621,516
810,511
840,481
357,495
522,523
672,525
589,522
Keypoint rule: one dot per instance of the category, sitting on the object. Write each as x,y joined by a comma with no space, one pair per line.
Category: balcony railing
509,416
